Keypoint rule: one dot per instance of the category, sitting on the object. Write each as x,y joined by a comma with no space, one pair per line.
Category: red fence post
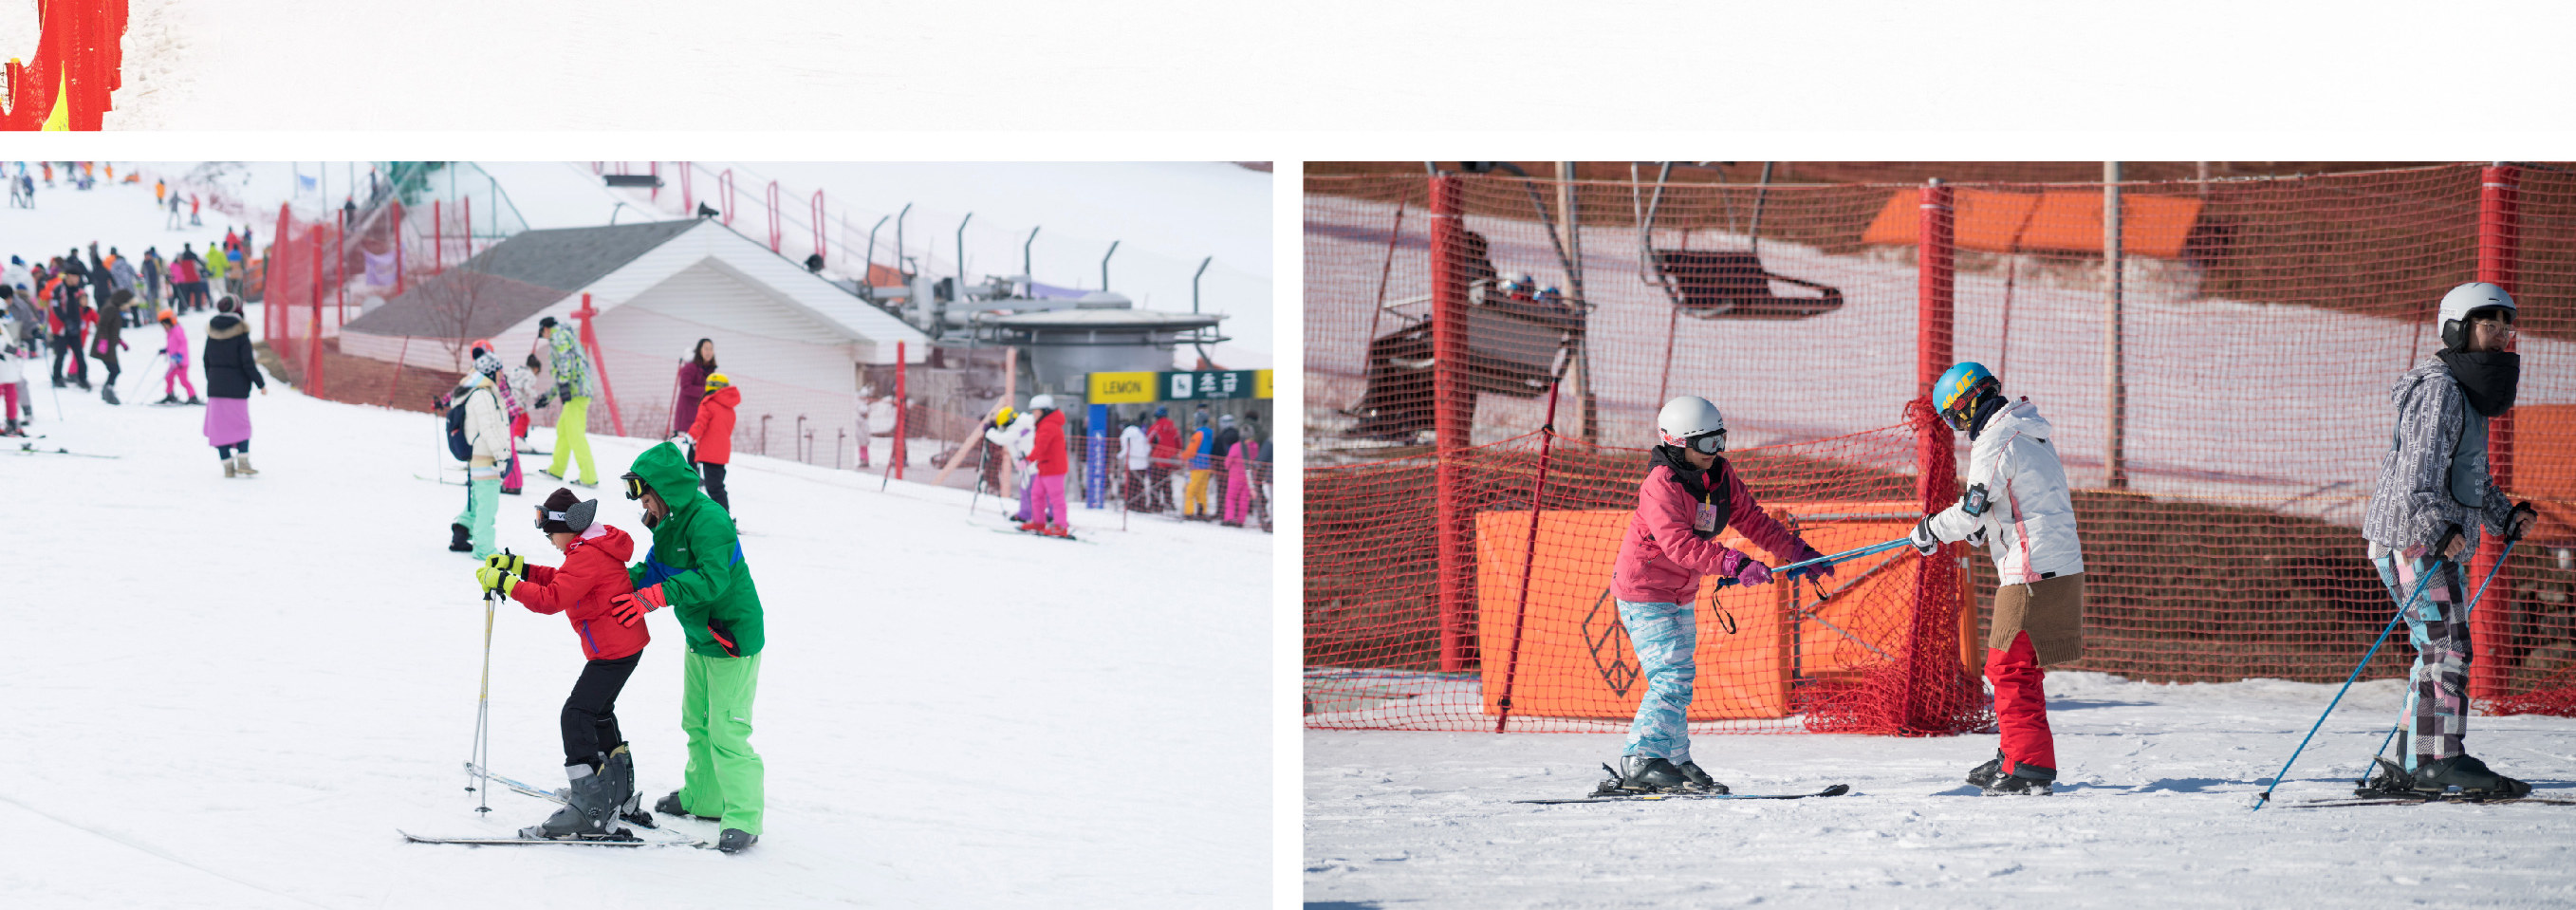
1454,407
313,344
901,413
688,196
773,216
1936,474
818,226
590,340
656,193
1529,560
2499,233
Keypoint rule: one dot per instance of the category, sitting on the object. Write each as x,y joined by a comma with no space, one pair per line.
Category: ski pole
482,749
2265,798
1844,556
2472,605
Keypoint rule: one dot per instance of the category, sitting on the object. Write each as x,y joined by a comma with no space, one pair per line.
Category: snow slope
229,693
2154,783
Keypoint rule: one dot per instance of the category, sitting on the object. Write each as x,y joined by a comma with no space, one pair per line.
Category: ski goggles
1707,443
634,485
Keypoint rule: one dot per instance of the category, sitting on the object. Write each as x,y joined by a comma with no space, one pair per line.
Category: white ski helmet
1686,420
2465,300
1043,402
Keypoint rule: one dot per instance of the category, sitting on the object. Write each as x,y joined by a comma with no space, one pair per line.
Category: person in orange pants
2017,504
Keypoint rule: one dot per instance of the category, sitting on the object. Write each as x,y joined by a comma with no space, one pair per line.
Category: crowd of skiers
490,411
78,309
1219,472
2434,500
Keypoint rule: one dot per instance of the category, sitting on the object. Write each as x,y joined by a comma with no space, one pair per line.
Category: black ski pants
590,715
714,472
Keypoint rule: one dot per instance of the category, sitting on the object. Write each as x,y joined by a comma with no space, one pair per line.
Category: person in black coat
231,371
69,305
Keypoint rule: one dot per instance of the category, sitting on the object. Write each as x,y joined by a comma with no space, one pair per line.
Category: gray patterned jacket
2414,503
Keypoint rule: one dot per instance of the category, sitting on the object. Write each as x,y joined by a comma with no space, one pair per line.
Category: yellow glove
494,580
508,562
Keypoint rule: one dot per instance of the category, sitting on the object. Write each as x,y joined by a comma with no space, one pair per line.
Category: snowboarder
1045,500
2434,499
696,567
231,371
597,762
2017,504
710,435
487,432
175,346
1690,494
575,387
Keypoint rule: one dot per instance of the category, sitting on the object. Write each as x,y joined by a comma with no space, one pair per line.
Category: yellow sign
1122,388
1261,385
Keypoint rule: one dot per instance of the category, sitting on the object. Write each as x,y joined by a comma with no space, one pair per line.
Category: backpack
457,444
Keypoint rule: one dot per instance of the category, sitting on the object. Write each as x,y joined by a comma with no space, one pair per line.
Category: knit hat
566,513
485,363
1225,420
717,381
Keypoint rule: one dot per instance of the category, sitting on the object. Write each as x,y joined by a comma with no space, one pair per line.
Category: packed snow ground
229,693
2155,781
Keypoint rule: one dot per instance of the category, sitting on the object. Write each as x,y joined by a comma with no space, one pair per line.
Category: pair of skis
667,838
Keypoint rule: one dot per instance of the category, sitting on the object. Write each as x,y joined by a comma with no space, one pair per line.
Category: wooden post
2115,386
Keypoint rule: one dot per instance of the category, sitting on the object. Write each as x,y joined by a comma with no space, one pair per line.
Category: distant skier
1013,432
1046,506
216,263
1194,501
1239,455
11,374
153,272
710,436
231,371
529,396
27,315
174,344
1167,452
597,762
696,567
2435,497
575,386
111,340
487,432
1690,494
1138,455
71,317
1227,434
691,385
2018,505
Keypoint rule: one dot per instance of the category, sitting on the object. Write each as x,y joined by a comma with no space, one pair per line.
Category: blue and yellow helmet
1957,391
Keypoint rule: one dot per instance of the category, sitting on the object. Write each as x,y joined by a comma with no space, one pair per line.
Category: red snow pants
2021,708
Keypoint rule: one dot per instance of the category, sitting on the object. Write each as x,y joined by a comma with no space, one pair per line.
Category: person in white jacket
489,434
1139,453
2016,503
1017,435
9,376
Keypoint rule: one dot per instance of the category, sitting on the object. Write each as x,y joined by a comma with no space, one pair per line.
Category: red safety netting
2261,325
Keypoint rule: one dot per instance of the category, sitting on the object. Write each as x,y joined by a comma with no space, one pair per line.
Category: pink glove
1746,570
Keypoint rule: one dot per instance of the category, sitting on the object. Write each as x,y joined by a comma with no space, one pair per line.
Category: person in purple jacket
1689,496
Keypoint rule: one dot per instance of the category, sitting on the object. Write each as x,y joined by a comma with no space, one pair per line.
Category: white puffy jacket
1020,438
2016,500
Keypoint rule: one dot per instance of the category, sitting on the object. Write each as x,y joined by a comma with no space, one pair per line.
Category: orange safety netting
2261,324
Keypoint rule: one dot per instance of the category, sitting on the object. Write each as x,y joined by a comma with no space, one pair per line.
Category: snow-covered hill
229,693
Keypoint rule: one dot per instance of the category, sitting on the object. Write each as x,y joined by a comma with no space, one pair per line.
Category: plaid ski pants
2434,720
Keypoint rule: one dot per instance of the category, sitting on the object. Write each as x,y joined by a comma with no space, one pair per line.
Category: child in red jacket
596,760
710,436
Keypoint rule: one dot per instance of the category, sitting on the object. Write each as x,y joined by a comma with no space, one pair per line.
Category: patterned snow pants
2434,720
1665,636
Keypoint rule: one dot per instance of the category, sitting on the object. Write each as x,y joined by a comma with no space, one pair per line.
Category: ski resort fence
2222,408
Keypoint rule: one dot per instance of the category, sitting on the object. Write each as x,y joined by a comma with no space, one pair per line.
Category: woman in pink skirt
231,371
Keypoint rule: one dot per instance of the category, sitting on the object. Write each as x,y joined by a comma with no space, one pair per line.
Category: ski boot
735,840
200,402
1057,531
670,805
1984,775
1644,774
107,393
168,398
1699,778
2025,780
462,540
1031,527
621,782
509,491
2475,780
587,811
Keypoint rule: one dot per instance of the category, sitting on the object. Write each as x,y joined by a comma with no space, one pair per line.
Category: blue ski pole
2473,604
1844,556
2265,798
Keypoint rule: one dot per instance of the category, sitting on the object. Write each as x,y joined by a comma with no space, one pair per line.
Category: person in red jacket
1690,494
710,436
596,759
1166,439
1046,460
